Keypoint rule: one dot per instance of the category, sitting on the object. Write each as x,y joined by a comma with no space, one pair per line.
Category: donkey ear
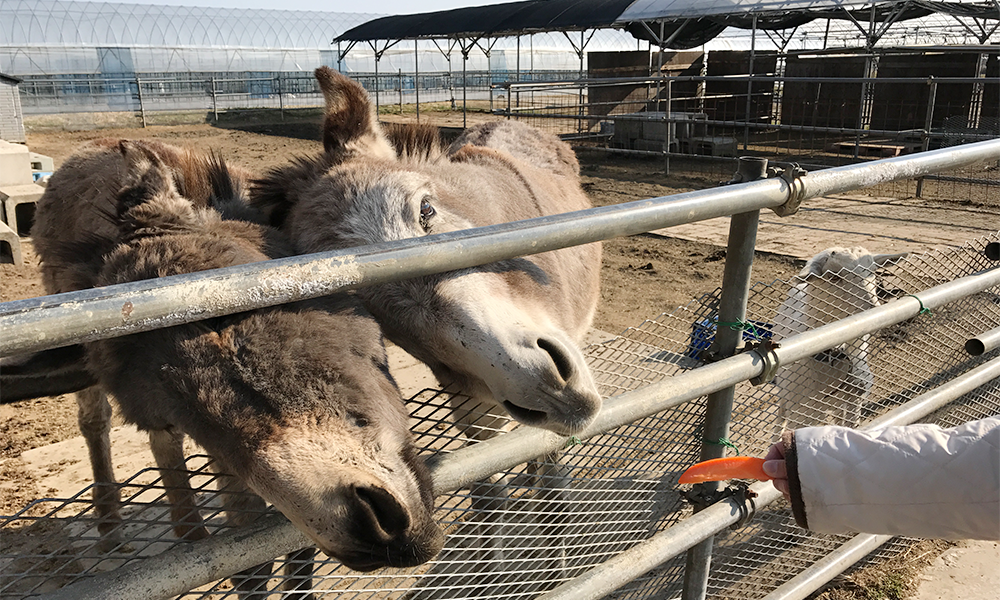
350,124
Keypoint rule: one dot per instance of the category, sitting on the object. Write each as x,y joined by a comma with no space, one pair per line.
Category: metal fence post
142,108
215,102
746,117
399,75
416,77
928,123
728,339
281,98
377,107
667,122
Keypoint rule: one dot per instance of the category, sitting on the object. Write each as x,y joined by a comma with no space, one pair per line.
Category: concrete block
711,146
13,242
40,162
15,164
19,205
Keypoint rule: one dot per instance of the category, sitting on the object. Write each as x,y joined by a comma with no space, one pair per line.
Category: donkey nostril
558,354
384,509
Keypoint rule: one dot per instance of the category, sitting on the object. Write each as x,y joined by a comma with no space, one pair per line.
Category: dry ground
642,276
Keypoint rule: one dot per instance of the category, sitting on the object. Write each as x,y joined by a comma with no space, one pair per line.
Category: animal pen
609,521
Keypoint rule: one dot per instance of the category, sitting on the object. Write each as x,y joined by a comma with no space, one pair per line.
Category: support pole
753,52
580,100
142,108
667,120
489,72
281,98
451,82
416,77
517,79
377,57
928,123
215,103
517,67
728,339
871,67
465,86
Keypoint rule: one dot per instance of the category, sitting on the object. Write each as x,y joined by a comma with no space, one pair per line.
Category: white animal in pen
830,387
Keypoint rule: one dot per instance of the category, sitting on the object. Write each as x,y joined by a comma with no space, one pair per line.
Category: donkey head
296,401
495,330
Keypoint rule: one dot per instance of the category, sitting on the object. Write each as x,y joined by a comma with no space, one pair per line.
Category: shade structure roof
710,17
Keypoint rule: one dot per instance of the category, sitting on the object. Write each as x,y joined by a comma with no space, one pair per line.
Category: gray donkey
295,403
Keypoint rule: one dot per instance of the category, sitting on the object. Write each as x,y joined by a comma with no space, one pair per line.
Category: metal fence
147,93
699,125
613,494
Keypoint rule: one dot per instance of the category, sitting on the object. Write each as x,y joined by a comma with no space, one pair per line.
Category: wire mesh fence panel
526,530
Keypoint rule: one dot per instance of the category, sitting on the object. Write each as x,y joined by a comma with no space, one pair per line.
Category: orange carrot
719,469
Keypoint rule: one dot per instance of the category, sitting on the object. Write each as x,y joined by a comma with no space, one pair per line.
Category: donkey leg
298,575
168,450
94,419
242,508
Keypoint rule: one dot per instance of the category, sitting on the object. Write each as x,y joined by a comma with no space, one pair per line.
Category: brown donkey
506,333
295,403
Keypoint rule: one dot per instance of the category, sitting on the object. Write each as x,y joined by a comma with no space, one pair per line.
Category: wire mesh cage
526,530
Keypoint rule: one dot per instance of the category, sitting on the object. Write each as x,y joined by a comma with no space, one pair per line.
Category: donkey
831,387
295,403
506,334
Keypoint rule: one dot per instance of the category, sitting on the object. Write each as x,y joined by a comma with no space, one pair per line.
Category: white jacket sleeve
915,480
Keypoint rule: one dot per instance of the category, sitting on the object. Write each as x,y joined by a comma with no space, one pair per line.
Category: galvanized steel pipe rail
62,319
185,566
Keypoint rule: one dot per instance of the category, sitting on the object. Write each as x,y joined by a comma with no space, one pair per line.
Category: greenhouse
60,38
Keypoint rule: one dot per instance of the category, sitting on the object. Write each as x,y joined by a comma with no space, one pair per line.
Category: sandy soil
642,276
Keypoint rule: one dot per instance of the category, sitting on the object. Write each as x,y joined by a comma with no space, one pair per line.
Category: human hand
774,467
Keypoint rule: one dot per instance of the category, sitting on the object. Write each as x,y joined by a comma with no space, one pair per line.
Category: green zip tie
722,442
741,326
923,311
573,441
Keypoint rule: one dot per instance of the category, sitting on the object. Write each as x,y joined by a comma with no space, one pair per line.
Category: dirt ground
642,276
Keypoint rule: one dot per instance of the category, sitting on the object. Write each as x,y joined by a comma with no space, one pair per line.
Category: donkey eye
358,419
426,212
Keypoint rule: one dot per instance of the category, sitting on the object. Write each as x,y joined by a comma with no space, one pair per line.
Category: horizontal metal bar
541,87
828,567
984,342
536,113
647,555
184,567
63,319
452,471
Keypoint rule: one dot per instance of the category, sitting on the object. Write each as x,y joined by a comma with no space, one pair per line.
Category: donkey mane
415,142
280,188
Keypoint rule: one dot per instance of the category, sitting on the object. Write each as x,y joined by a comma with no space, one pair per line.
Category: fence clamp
792,174
739,491
765,350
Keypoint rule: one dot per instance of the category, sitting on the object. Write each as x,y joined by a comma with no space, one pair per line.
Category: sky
388,7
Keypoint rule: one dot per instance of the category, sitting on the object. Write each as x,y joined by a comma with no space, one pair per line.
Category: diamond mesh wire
529,529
